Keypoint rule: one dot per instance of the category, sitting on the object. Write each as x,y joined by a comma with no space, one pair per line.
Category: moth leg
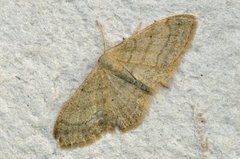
138,28
103,35
164,84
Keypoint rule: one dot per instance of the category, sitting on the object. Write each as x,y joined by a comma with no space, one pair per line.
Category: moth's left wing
82,119
102,103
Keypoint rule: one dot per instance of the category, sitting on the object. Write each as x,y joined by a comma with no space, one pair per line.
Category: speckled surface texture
47,48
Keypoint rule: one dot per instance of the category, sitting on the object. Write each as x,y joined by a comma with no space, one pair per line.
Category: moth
116,94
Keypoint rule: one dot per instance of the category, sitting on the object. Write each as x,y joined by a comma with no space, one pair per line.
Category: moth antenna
100,27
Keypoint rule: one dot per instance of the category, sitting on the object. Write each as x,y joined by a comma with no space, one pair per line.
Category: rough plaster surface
48,47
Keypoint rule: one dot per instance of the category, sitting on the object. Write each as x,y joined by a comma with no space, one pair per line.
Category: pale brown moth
115,95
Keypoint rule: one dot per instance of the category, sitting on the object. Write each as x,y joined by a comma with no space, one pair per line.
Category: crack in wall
200,132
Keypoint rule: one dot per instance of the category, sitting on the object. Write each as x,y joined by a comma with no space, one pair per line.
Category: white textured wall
48,47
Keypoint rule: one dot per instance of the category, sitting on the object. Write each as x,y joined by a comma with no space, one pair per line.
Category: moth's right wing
152,54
